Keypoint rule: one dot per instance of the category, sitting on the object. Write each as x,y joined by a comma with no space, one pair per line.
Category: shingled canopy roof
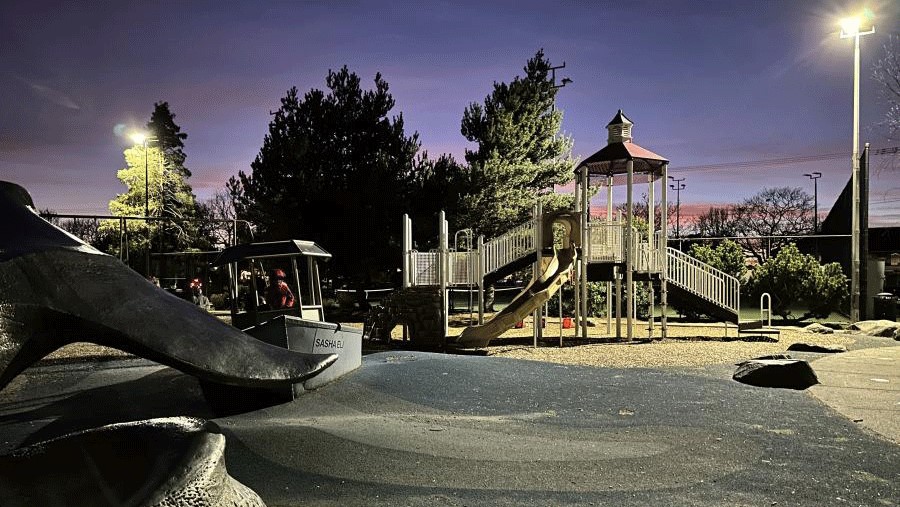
612,159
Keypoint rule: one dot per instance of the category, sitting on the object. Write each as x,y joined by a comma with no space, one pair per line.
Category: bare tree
640,212
781,211
219,207
886,71
717,222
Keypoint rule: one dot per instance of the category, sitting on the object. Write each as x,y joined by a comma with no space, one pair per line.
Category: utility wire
773,162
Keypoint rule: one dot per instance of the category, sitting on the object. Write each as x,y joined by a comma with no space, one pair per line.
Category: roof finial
619,129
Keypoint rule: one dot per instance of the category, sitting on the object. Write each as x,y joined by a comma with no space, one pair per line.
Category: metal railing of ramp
703,280
509,246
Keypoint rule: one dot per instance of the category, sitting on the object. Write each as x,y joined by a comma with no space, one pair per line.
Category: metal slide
555,274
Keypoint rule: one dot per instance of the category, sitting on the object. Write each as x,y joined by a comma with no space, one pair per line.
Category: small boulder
782,373
814,347
886,328
817,328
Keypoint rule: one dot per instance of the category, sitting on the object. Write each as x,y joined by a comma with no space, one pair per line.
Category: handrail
509,246
765,310
703,280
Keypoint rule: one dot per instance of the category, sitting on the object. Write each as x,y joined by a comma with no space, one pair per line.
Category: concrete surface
426,429
864,385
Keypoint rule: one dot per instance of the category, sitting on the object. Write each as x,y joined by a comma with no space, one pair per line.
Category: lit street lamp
852,28
677,187
815,178
142,139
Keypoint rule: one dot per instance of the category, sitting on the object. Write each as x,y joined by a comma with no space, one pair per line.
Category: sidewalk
863,385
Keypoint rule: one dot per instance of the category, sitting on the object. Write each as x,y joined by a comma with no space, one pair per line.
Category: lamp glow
850,26
138,137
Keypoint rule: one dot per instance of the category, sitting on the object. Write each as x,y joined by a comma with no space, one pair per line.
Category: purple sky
706,82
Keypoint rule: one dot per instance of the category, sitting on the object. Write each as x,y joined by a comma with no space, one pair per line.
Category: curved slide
535,294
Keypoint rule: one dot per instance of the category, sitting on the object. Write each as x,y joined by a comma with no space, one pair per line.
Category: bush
596,300
792,278
219,301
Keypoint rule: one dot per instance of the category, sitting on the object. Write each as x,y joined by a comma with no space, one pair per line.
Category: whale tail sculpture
56,290
176,461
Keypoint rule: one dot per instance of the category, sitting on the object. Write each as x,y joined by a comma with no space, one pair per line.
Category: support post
480,280
609,285
406,249
538,248
443,272
629,249
576,278
585,223
651,236
664,244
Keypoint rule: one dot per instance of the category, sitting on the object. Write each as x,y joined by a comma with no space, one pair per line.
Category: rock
817,328
773,356
813,347
783,373
884,328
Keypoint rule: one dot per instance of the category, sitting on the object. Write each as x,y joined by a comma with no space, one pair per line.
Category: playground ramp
554,275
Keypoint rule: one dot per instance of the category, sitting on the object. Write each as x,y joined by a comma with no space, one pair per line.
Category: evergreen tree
334,168
165,188
169,137
520,154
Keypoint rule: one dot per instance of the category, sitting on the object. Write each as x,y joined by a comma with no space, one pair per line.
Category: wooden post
629,249
664,244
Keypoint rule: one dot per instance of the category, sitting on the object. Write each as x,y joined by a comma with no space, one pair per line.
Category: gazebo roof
611,160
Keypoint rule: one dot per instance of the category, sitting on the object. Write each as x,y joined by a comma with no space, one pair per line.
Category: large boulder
782,373
815,347
886,328
817,328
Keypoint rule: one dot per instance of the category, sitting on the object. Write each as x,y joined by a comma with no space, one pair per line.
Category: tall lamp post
141,138
677,187
851,28
815,178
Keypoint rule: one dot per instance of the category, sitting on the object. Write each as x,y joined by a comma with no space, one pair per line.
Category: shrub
792,277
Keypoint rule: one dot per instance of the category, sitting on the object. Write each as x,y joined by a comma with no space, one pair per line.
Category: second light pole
815,178
677,187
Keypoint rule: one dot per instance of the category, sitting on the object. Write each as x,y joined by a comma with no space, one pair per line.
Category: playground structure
610,250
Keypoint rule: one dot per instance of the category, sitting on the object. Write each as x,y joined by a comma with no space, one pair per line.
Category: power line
773,162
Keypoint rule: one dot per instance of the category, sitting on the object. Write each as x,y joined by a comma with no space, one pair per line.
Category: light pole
555,86
851,28
142,139
815,178
677,187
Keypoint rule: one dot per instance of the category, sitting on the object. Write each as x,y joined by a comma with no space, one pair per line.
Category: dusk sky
705,82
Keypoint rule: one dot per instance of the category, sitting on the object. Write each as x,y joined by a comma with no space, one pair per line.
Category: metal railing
462,266
424,267
605,242
510,246
703,280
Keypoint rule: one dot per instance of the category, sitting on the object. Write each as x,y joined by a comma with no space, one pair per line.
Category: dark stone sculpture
167,462
55,290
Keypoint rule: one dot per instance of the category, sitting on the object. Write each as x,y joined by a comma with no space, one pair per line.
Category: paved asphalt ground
425,429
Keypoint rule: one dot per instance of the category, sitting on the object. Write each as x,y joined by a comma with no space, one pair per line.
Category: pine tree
169,137
334,168
520,154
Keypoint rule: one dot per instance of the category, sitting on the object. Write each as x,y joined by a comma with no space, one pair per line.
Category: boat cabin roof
285,248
